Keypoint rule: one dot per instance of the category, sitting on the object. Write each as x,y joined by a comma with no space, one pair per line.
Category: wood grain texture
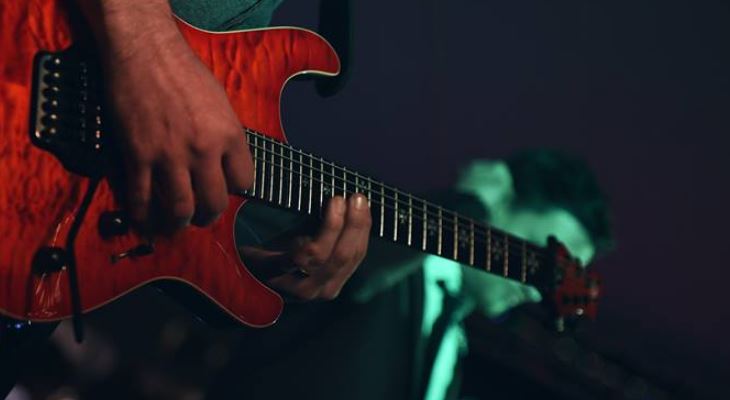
39,198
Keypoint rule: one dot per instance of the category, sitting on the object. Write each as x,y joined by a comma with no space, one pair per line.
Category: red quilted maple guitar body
39,198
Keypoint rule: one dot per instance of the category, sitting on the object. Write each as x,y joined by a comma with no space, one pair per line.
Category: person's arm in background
183,147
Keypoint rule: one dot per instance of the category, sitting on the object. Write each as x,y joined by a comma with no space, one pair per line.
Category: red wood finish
39,198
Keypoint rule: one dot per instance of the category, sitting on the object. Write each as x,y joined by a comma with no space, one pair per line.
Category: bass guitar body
58,220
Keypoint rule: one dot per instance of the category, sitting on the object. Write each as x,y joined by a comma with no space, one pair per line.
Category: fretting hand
310,268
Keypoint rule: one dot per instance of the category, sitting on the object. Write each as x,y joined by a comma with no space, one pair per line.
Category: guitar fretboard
296,180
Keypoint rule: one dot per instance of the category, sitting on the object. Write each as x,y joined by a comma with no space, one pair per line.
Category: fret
382,210
440,231
271,173
344,182
410,220
255,164
357,183
311,183
370,191
332,181
396,217
471,242
523,269
456,237
489,249
281,174
424,240
506,255
299,188
291,178
263,173
321,183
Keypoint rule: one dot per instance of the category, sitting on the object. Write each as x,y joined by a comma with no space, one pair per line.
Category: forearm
121,26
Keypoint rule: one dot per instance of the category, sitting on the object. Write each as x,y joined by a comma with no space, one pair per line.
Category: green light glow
491,182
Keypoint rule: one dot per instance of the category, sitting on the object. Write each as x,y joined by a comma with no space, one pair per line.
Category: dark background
640,89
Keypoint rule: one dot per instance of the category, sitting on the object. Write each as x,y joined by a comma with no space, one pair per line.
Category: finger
317,252
351,246
209,189
238,167
175,194
139,177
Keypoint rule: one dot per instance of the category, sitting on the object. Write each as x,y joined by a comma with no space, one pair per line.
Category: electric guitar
67,247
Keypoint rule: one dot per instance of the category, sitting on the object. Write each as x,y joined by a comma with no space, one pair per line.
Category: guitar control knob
113,223
49,259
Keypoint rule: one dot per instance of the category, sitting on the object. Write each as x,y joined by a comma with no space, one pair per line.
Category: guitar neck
296,180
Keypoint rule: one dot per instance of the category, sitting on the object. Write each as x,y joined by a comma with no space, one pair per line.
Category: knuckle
202,147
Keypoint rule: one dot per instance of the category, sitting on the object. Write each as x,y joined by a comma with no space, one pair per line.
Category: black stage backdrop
640,89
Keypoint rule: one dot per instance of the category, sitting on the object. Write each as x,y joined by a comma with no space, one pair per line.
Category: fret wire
489,249
263,175
456,237
424,241
311,183
396,220
440,233
523,273
321,184
344,182
291,178
471,242
410,219
382,210
255,166
299,189
369,182
271,179
506,255
370,192
281,175
332,190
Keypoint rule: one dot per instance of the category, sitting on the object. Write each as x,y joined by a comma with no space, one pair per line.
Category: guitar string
445,212
333,166
514,243
462,219
404,203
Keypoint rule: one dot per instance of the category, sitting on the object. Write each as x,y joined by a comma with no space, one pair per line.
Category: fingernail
360,202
